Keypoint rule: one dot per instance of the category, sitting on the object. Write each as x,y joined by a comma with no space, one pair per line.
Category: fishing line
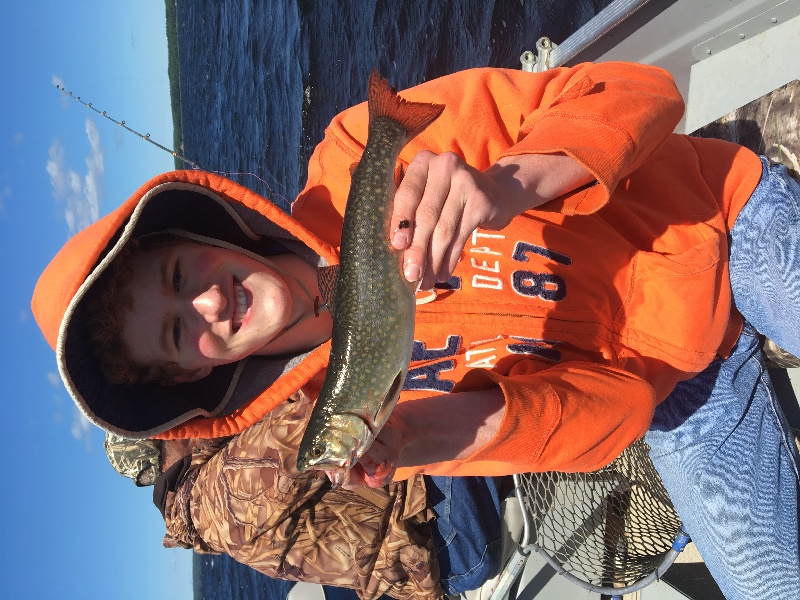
180,156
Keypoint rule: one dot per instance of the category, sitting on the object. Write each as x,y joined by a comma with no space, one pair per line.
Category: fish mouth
337,471
328,451
239,305
337,450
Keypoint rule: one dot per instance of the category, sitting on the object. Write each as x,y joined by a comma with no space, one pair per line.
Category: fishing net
609,528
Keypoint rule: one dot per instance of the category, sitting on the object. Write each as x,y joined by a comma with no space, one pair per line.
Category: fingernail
411,271
399,239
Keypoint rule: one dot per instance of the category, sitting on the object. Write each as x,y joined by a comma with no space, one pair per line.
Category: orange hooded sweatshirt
585,312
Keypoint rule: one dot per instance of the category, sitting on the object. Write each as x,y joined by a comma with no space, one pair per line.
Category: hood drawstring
426,296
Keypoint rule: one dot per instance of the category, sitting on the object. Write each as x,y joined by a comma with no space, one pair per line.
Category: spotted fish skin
373,305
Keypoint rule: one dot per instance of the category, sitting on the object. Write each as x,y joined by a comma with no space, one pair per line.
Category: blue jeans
467,529
720,441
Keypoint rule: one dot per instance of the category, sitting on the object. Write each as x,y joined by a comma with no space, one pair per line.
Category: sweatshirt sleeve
608,116
574,416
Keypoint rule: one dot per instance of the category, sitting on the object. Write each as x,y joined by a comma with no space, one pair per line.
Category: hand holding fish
377,466
442,200
428,431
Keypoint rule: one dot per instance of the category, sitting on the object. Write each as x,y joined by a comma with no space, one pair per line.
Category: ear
188,376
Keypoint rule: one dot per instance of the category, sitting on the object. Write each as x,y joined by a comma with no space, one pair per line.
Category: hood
203,204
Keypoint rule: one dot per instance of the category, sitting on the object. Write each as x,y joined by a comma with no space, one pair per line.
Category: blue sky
71,527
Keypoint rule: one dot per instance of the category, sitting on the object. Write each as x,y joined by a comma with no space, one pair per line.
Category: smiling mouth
240,309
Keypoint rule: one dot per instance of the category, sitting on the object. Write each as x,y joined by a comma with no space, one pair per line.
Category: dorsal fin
383,101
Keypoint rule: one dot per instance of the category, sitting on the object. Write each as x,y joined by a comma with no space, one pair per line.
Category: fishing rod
179,155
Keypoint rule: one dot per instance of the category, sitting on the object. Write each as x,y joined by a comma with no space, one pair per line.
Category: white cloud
54,379
57,81
81,428
119,137
95,167
55,169
80,194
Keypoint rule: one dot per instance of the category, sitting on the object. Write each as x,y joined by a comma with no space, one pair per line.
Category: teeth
241,304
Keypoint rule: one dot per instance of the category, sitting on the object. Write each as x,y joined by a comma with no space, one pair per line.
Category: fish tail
383,101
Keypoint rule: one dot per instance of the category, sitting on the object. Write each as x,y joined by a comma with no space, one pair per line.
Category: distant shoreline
174,73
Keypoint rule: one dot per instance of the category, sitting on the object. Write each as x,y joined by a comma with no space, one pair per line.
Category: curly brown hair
106,304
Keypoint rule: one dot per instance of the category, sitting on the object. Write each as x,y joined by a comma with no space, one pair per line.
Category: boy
594,277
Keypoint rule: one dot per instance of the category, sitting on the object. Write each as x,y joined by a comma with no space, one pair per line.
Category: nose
210,303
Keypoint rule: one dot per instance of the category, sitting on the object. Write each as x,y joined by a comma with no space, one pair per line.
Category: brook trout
373,304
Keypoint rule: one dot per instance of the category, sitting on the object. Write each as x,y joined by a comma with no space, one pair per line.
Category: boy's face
201,306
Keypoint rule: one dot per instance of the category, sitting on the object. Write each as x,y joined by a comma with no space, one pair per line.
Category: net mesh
609,528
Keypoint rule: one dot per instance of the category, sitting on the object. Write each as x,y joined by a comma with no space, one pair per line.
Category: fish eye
317,450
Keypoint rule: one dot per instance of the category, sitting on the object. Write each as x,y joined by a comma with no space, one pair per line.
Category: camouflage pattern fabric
139,460
249,501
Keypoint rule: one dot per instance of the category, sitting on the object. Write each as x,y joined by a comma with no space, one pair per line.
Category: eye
317,450
176,332
177,281
177,276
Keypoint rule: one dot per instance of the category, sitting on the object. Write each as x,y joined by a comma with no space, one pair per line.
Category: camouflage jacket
246,499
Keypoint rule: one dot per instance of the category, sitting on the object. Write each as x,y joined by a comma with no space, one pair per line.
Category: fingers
352,479
377,465
431,221
373,471
413,220
358,476
378,473
449,238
